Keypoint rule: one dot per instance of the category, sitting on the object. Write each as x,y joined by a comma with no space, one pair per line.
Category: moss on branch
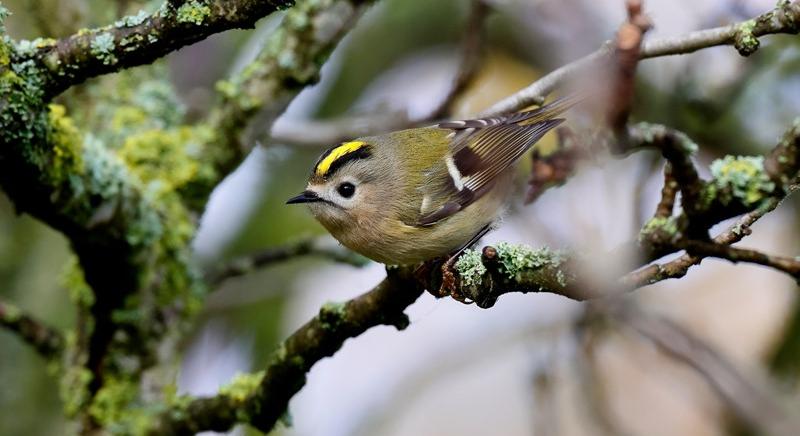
485,275
46,340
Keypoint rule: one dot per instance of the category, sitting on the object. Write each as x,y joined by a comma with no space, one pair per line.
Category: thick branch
142,39
285,374
46,340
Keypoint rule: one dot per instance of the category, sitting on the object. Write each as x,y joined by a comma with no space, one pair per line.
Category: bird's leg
448,286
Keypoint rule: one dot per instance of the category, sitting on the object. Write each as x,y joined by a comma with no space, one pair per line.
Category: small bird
413,195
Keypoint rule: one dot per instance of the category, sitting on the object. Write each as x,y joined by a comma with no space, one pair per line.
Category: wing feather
479,152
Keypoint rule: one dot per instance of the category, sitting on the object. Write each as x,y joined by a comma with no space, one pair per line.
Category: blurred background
519,368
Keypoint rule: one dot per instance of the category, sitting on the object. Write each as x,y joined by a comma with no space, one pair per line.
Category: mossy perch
494,271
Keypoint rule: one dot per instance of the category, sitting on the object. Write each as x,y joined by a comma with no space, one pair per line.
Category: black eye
346,189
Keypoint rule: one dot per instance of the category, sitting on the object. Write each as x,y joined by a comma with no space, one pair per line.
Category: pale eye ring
346,189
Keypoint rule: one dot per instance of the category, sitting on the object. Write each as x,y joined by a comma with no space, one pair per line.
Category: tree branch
788,265
141,39
46,340
679,267
783,19
263,400
290,60
247,264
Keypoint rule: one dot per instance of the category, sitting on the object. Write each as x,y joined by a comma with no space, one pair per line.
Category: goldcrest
417,194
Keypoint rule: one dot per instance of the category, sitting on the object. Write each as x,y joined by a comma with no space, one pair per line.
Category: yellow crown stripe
346,148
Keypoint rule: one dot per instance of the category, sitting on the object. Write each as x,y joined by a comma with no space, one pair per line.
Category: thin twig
677,268
247,264
45,339
788,265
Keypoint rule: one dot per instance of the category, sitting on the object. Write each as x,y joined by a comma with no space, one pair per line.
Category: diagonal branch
262,403
46,340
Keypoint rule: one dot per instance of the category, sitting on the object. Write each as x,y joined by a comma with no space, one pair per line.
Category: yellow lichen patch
127,116
165,156
348,147
65,140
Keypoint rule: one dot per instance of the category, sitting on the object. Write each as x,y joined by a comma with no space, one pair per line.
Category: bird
422,193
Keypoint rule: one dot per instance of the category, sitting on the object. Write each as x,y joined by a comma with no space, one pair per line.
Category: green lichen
517,260
470,268
66,142
193,12
28,48
331,314
102,47
73,281
74,389
119,409
168,160
111,401
11,314
744,40
4,13
743,178
242,386
132,20
664,227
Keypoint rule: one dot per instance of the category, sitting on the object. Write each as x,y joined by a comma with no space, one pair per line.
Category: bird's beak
304,197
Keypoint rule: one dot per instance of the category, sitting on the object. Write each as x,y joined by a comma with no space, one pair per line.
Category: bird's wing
479,151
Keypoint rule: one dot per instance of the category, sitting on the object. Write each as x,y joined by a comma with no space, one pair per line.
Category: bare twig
677,148
314,133
46,340
247,264
788,265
